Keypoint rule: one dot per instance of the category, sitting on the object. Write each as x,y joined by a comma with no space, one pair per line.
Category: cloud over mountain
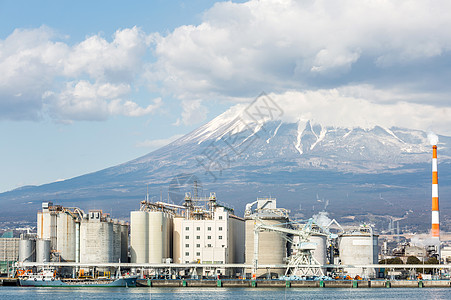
390,52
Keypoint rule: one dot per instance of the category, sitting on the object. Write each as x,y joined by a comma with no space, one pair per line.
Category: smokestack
435,231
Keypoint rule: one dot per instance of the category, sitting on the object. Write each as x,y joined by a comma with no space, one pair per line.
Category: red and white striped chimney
435,230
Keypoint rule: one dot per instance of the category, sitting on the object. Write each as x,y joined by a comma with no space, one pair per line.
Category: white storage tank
27,250
358,248
320,253
272,249
176,240
96,239
47,227
139,246
42,251
65,242
157,235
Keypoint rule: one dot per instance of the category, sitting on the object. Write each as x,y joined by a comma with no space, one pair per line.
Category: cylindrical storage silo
320,253
26,250
358,248
116,241
42,251
272,249
124,242
65,232
176,240
96,241
157,235
139,236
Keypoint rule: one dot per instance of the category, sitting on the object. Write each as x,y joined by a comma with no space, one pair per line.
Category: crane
302,263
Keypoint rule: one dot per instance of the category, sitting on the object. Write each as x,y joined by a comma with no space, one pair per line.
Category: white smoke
433,138
322,218
422,241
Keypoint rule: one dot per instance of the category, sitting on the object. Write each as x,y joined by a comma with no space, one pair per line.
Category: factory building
215,240
272,246
9,253
200,231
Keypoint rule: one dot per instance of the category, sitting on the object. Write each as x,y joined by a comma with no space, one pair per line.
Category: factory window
197,245
186,253
197,228
220,228
209,228
198,237
187,245
187,237
186,228
220,237
197,253
209,237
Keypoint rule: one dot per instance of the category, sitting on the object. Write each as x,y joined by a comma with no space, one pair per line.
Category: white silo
27,250
320,253
176,240
139,228
65,242
358,247
96,239
272,246
42,251
156,238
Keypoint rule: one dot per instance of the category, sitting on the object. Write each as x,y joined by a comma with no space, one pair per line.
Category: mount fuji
356,174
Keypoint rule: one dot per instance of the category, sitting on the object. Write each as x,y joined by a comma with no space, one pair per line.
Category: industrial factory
203,238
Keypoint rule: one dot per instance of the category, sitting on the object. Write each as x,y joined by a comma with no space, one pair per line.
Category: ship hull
120,282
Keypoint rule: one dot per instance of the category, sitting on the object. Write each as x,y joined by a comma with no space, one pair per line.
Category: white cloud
400,49
87,81
94,102
193,112
158,143
242,49
100,59
338,108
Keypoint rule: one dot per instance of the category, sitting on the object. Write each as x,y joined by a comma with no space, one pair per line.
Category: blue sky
85,85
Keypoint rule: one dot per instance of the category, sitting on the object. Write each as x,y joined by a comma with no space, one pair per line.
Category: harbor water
221,293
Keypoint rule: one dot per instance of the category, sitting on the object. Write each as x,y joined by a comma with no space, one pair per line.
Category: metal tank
139,228
47,226
116,241
176,240
42,251
272,249
96,239
27,250
359,247
320,253
124,242
65,232
156,237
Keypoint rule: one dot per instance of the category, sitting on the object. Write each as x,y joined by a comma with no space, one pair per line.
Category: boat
49,278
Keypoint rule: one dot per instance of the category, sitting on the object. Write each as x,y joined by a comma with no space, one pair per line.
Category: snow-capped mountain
355,173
